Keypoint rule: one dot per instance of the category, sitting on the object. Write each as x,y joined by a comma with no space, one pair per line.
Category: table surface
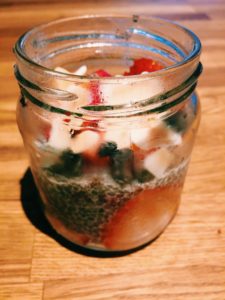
187,262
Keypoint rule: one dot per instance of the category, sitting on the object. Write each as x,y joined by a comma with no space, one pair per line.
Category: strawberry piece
142,218
102,73
143,65
95,93
69,234
66,120
95,87
46,130
91,124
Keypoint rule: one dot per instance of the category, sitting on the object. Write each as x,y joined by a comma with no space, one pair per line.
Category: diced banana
59,135
158,162
85,141
141,138
81,71
128,93
158,134
82,93
120,137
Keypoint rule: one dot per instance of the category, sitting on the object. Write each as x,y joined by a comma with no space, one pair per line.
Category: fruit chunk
142,218
144,175
158,162
181,120
102,73
59,135
69,234
143,65
129,92
86,142
80,90
81,71
107,149
121,165
96,94
158,134
69,164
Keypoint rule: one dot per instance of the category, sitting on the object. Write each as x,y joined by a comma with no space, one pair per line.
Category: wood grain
187,262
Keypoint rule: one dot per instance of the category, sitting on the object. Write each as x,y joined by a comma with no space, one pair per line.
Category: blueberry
179,121
121,165
107,149
70,164
144,176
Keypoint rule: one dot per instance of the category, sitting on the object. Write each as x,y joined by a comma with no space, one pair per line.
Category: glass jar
109,171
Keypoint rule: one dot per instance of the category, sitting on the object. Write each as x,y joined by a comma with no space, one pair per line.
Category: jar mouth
189,56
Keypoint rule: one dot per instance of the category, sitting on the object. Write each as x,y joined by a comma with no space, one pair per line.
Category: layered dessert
112,188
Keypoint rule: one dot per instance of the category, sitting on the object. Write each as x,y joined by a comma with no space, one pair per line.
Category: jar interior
112,41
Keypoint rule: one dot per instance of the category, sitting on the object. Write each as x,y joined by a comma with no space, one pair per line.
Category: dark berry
107,149
121,165
144,176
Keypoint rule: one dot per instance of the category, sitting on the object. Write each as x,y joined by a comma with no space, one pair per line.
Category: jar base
95,250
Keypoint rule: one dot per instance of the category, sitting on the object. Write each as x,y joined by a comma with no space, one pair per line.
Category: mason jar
108,154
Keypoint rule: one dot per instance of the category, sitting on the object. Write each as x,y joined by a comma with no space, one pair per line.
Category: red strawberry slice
91,124
95,93
69,234
95,87
142,218
102,73
46,130
143,65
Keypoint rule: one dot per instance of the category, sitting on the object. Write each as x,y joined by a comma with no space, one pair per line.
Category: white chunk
81,71
59,135
81,91
158,134
83,95
158,162
127,92
62,70
86,140
174,137
120,137
141,137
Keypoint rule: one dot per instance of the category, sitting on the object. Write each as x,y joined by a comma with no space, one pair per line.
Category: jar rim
19,51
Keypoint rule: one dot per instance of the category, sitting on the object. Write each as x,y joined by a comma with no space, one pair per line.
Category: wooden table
188,261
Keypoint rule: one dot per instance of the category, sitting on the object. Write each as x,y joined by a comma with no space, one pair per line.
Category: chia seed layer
87,203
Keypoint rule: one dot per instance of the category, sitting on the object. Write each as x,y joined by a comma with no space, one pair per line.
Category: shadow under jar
109,155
